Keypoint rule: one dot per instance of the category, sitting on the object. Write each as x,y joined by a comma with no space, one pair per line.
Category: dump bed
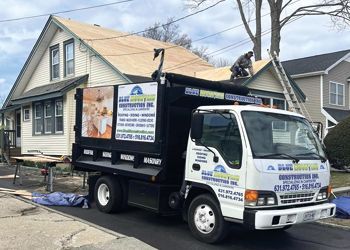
141,130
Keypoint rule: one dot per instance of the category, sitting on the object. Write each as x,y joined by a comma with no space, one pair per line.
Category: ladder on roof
288,92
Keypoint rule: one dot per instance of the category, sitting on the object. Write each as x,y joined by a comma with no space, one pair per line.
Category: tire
205,219
108,194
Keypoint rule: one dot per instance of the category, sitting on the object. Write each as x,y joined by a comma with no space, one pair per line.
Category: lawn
340,179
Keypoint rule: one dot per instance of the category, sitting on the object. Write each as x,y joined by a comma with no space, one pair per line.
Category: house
39,112
263,84
325,81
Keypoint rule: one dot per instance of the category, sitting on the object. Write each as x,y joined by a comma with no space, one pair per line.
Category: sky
305,37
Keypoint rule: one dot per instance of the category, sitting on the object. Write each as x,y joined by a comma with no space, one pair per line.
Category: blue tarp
60,199
343,207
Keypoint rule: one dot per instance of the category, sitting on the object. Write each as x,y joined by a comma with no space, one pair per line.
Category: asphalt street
173,233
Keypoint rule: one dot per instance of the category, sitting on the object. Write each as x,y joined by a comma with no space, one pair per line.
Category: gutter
315,73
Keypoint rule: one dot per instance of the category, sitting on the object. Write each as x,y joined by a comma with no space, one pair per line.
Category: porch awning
337,114
53,90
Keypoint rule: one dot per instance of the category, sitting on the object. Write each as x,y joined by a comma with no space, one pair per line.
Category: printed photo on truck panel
97,112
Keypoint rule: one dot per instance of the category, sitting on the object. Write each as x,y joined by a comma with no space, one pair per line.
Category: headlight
260,198
324,193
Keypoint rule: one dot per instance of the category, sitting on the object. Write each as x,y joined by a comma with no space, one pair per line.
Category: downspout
321,103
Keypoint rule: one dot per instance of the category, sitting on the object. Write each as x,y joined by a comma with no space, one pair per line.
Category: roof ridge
325,54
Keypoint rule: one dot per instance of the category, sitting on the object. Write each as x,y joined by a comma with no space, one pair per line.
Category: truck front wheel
205,219
108,194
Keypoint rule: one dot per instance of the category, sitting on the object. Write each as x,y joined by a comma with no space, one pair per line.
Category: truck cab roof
240,108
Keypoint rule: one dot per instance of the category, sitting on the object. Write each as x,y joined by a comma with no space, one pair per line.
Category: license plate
309,216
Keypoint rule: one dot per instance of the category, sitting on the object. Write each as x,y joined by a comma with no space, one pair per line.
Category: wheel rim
204,219
103,194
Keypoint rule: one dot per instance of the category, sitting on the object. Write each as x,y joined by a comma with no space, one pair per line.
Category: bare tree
171,33
337,10
220,62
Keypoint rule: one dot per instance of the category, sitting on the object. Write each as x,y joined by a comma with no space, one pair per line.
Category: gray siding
338,74
311,87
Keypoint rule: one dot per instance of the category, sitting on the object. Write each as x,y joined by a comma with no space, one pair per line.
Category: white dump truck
190,146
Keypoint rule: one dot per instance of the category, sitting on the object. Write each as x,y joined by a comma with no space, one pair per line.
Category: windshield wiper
295,160
323,159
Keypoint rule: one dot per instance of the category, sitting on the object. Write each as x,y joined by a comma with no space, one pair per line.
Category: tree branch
244,20
305,10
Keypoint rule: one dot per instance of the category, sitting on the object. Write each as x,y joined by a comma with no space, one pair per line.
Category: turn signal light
251,195
329,191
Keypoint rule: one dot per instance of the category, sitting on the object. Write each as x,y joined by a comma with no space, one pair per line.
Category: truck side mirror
197,126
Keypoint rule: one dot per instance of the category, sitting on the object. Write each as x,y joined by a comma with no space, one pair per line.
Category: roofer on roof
242,63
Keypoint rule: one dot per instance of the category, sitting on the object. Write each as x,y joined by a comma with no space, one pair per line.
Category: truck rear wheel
205,219
108,194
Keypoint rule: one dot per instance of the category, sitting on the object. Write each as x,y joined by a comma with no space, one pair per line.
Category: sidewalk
26,225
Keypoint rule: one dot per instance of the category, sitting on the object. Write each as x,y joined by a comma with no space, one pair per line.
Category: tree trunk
257,42
275,9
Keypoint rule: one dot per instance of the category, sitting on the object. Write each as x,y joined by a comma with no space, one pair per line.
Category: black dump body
161,159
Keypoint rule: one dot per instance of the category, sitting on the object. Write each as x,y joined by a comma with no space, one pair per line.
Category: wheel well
196,190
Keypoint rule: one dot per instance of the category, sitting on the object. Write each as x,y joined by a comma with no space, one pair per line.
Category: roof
133,54
224,73
314,64
337,114
259,67
51,90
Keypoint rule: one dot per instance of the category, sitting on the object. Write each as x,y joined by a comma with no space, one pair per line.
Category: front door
18,128
226,175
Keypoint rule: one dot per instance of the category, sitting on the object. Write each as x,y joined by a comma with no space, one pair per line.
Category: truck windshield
279,136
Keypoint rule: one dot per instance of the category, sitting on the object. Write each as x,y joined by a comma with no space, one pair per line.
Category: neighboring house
39,112
325,81
264,83
40,108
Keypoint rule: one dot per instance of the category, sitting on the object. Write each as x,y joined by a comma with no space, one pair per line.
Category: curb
117,235
333,225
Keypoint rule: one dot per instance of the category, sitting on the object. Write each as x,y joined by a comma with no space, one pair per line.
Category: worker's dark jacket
243,62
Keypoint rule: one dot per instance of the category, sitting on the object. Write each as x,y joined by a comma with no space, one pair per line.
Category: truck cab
263,167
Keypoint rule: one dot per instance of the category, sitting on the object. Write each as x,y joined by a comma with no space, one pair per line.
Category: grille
296,198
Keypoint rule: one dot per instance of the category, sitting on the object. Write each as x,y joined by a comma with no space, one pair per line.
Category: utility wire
196,40
161,25
223,49
64,11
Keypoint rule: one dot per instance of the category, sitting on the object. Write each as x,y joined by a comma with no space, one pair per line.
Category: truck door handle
196,167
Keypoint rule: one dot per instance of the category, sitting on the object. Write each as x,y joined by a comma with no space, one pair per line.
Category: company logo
136,91
271,167
322,167
220,169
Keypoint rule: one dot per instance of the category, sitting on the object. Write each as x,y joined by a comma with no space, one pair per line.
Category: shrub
337,144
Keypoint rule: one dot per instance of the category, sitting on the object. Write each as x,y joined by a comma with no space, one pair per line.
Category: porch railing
7,141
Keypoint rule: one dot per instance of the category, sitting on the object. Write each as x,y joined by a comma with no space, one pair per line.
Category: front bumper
273,219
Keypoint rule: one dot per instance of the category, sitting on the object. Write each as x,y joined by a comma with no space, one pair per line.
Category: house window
38,118
48,117
55,62
336,93
59,116
26,114
69,58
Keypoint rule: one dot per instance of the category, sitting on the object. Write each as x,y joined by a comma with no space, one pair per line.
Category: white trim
337,100
337,62
315,73
328,116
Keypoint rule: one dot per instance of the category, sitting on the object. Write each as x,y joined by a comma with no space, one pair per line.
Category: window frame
65,45
222,154
336,93
26,108
35,118
48,117
55,116
45,116
52,49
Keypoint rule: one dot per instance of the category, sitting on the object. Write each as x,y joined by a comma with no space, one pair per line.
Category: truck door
225,175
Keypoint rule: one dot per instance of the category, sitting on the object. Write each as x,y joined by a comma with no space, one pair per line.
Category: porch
8,146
